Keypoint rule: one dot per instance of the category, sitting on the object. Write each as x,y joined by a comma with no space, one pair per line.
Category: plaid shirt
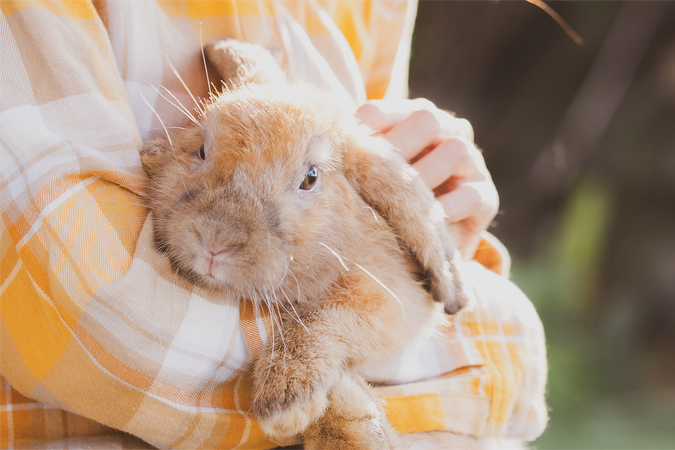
97,334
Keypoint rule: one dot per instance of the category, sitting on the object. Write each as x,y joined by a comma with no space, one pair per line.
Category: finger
383,115
461,203
451,158
467,241
426,128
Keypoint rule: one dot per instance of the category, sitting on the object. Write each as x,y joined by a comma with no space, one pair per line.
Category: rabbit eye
310,179
202,155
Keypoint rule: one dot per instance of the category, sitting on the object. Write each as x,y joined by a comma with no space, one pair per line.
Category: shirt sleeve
93,321
386,75
379,35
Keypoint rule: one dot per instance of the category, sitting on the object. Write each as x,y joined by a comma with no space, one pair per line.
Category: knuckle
470,151
474,191
459,149
426,120
422,103
466,129
368,110
489,199
477,157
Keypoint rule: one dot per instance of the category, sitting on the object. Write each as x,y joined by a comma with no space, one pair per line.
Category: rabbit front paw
446,284
447,287
295,418
289,394
354,420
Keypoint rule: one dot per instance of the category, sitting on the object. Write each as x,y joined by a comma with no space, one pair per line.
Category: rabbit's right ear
238,63
395,190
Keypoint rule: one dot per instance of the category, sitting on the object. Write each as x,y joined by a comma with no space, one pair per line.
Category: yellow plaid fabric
99,340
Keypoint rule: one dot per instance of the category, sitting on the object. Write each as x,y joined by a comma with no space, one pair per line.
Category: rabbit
278,195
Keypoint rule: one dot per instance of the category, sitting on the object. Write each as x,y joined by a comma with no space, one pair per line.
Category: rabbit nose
219,251
215,258
217,236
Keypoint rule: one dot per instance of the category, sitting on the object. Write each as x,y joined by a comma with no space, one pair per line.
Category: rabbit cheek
307,225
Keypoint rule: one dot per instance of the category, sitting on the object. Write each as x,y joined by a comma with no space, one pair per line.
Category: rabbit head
249,198
255,197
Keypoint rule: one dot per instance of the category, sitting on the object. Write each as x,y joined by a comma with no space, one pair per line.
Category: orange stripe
235,431
34,327
498,386
21,424
488,256
412,414
345,19
475,385
492,328
256,439
76,9
249,325
55,188
4,415
196,9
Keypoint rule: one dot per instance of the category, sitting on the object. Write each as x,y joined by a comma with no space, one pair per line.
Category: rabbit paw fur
289,391
354,420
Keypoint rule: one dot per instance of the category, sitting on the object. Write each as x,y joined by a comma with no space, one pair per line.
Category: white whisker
367,273
214,88
297,316
336,255
279,327
206,70
182,106
296,282
169,128
159,118
372,211
383,285
184,111
184,85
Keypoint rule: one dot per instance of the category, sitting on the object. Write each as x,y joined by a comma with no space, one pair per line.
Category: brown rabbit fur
280,197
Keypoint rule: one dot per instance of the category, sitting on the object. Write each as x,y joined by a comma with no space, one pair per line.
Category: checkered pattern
94,323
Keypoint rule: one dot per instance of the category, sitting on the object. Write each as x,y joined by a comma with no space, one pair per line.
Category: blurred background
580,140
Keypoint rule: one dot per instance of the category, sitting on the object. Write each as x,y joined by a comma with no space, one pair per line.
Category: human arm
94,322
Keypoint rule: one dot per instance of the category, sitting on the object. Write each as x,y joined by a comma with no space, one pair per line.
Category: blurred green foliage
561,279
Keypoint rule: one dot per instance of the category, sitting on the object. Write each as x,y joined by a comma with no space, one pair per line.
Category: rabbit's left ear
238,63
395,190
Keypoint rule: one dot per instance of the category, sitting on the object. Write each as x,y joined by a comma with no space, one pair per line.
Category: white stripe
509,339
52,206
190,409
23,406
262,330
460,336
263,22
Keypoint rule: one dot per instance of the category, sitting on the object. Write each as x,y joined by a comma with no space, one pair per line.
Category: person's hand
441,148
